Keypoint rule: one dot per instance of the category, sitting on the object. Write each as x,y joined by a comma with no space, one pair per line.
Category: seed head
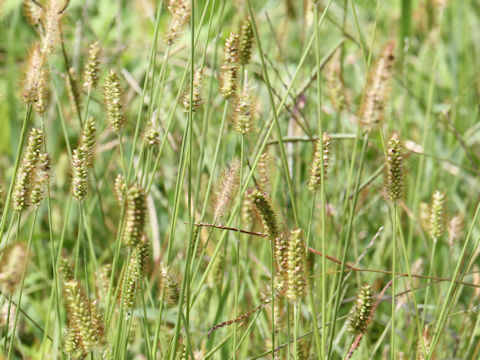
65,269
12,266
84,320
246,42
119,188
229,68
262,204
321,158
114,106
180,11
90,72
296,274
455,229
395,168
33,13
27,172
41,179
72,87
228,189
335,83
358,321
196,98
375,96
42,95
243,110
281,256
169,282
87,139
437,215
264,169
34,80
54,11
80,182
151,135
130,284
135,216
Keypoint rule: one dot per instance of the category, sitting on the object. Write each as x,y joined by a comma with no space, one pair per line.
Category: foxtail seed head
243,110
281,255
130,284
227,189
135,216
246,42
455,229
12,266
33,12
119,188
87,139
90,72
72,87
437,215
395,168
180,11
196,99
261,202
34,76
296,274
169,282
80,182
375,96
41,179
358,321
27,171
114,102
52,17
229,68
320,157
151,135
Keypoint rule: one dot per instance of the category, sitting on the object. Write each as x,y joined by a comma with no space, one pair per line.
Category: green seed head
246,42
195,100
119,188
135,216
437,215
229,68
90,73
227,189
80,182
321,156
261,202
114,105
243,110
87,139
296,274
359,317
395,169
169,282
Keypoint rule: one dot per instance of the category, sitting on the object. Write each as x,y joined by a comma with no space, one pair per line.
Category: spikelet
34,76
65,269
80,181
227,190
130,284
51,21
27,172
85,323
196,98
246,42
169,282
296,274
32,12
41,179
455,229
144,256
335,83
395,169
119,188
320,157
87,139
437,215
229,68
180,11
42,95
281,258
114,107
151,135
262,204
12,266
243,110
375,94
90,72
135,216
358,320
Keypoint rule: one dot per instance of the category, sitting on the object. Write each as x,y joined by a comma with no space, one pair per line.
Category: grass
213,281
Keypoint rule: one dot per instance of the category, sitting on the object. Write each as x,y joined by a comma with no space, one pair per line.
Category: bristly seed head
114,105
26,173
52,17
261,202
395,168
180,11
35,77
296,270
41,179
151,134
375,96
80,182
229,68
227,189
437,215
33,12
246,42
243,110
12,266
88,138
119,188
455,229
90,72
359,317
196,98
320,157
170,284
135,216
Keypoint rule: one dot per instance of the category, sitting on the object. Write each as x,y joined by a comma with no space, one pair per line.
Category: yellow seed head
196,99
80,182
114,105
227,189
135,216
243,110
395,168
12,266
229,68
90,73
246,42
296,275
321,158
119,188
180,11
437,215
